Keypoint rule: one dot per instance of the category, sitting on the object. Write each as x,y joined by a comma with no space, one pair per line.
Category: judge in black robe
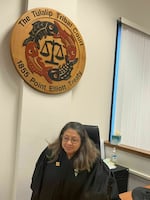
59,180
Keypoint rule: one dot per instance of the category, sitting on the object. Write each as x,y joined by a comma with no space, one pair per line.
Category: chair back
93,133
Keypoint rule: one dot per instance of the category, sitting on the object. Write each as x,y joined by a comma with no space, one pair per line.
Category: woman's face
71,142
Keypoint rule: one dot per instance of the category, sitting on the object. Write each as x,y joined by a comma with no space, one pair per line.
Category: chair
93,133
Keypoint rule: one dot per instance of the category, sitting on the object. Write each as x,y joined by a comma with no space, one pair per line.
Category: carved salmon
67,40
41,29
34,62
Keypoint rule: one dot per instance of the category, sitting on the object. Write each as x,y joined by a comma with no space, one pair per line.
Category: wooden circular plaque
48,50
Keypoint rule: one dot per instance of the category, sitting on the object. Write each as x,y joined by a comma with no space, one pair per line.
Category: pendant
76,172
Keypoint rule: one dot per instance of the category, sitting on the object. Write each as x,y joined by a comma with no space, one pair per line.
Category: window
130,113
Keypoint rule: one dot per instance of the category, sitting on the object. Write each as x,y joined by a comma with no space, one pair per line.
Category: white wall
28,117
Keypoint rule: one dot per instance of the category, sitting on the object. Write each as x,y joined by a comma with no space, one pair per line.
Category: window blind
130,114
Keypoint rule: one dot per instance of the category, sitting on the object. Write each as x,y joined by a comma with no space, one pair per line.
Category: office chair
93,133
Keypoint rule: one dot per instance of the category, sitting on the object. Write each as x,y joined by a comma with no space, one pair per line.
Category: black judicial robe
59,181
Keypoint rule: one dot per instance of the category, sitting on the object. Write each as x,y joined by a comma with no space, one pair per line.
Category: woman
71,169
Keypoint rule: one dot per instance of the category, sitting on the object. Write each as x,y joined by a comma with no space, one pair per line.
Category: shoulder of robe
100,162
38,172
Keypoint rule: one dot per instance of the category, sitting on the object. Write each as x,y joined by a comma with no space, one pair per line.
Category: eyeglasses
72,140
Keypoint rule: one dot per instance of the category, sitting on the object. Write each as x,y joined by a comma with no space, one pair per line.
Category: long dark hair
87,154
